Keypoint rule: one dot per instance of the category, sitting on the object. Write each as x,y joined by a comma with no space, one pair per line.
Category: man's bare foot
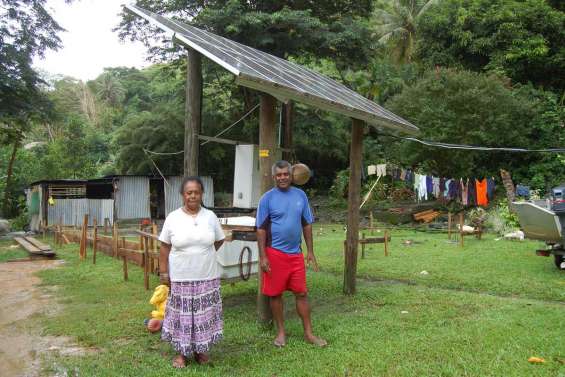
315,341
202,358
179,361
280,341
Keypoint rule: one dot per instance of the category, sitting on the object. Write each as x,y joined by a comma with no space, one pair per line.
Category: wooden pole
83,238
371,222
146,263
125,263
362,245
461,223
356,149
193,119
386,243
449,226
267,144
141,237
94,240
106,222
115,240
288,115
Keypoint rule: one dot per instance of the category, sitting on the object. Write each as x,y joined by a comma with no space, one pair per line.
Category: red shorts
287,273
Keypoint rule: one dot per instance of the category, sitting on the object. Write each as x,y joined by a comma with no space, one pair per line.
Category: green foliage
519,39
395,23
26,31
459,107
501,220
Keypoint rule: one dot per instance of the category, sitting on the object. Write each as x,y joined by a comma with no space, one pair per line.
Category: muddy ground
21,297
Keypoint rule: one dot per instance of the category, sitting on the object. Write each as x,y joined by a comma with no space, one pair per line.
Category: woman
187,262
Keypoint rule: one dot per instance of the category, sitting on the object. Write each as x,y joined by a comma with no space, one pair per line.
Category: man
283,215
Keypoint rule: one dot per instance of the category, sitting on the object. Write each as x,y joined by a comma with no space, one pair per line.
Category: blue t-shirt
282,213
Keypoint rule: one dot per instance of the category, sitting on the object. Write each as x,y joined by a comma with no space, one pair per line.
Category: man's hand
311,262
265,266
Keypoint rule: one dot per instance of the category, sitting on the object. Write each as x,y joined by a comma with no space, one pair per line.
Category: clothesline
468,192
474,147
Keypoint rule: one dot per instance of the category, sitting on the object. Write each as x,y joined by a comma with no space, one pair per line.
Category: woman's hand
164,279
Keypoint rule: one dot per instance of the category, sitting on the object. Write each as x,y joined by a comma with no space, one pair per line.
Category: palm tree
396,25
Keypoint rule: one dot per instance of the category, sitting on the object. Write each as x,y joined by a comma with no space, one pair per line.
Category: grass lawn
7,251
482,311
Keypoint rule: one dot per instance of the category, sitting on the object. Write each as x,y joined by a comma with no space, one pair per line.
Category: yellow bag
159,299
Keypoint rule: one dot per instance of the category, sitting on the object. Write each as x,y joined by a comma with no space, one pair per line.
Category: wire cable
473,147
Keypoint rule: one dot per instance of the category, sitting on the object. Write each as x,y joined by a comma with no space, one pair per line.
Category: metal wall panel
132,198
100,209
173,199
72,211
208,198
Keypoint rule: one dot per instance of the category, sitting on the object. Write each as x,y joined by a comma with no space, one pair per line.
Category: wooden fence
143,253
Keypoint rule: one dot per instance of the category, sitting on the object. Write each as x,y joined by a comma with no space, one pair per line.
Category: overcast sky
89,45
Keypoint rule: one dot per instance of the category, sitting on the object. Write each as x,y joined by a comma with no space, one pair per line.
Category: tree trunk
7,189
354,199
267,146
193,112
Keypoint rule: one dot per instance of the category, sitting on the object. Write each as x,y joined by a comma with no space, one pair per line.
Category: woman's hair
191,179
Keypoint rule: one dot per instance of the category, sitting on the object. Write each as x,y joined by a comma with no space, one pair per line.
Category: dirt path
20,298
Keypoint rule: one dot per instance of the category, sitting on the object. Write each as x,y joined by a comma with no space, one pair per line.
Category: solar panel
283,79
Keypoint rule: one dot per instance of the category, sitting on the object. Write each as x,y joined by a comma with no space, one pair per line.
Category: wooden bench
371,240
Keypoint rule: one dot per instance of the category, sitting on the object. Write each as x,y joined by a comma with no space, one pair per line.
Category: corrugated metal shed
173,199
72,211
100,209
132,197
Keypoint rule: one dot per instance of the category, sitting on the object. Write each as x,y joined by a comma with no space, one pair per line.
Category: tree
26,30
520,39
396,23
469,108
284,28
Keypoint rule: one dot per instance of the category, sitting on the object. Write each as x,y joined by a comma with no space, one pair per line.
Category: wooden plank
94,240
30,248
41,246
354,198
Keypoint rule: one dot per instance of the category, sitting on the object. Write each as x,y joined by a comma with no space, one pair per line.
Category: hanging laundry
453,189
472,189
429,185
381,170
522,190
436,190
464,191
371,170
446,187
409,177
482,199
490,188
422,188
402,174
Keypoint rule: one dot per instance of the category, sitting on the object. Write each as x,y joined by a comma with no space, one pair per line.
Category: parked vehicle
545,220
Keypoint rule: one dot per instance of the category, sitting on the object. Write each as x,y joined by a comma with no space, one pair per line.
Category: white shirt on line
192,256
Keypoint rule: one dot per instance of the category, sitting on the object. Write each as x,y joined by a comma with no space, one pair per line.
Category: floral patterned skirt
193,316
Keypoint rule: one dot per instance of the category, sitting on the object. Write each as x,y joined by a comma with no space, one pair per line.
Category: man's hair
191,179
281,165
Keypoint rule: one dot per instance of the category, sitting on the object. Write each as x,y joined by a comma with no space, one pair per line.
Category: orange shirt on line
482,198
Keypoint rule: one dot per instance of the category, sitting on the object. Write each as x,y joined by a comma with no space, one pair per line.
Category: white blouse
192,256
